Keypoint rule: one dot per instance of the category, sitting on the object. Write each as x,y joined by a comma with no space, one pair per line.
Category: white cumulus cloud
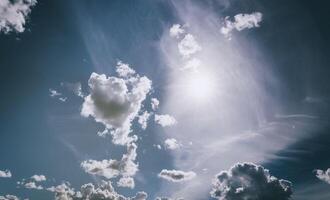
39,178
89,191
188,46
249,181
126,182
171,143
5,174
176,30
115,102
176,175
241,22
13,14
113,168
124,70
323,175
154,103
9,197
165,120
33,185
143,119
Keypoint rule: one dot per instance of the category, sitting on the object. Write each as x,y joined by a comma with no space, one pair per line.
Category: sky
164,100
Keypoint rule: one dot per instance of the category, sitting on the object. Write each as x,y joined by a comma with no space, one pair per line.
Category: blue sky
237,82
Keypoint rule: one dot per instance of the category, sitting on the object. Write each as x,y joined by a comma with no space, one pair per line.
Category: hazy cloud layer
249,181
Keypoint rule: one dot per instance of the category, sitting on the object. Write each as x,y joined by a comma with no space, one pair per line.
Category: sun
199,86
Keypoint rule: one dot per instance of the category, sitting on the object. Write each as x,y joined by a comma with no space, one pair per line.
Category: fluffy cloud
176,30
90,192
241,22
171,143
176,175
188,46
9,197
143,119
249,181
154,104
5,174
126,182
113,168
13,14
165,120
115,102
323,175
124,70
33,185
39,178
167,198
62,192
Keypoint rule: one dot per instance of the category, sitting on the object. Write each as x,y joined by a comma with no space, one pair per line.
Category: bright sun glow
200,86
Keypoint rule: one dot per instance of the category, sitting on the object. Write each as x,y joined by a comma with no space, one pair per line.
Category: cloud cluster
323,175
114,168
55,94
9,197
154,104
167,198
116,101
171,143
176,30
88,191
31,183
165,120
5,174
249,181
32,186
127,182
187,46
176,175
241,22
39,178
143,119
13,14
